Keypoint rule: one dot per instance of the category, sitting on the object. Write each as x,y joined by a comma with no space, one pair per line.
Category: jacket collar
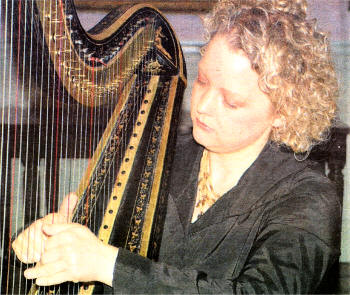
272,166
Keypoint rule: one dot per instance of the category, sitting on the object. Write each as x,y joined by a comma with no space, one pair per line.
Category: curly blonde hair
293,61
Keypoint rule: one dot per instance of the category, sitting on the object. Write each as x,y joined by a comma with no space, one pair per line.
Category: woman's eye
200,81
229,103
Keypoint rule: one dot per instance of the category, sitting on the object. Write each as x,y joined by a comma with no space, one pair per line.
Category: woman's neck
226,169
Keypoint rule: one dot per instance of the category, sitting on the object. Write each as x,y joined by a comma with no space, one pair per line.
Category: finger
51,256
62,235
53,243
54,229
67,206
58,242
58,278
25,253
44,270
29,244
35,241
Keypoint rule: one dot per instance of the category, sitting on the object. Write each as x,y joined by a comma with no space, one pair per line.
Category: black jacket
276,231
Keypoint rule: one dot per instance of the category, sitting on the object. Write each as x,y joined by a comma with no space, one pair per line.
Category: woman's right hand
29,245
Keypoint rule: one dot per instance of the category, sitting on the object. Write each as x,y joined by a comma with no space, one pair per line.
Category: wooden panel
169,5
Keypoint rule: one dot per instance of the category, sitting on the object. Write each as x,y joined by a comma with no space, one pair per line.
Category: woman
245,214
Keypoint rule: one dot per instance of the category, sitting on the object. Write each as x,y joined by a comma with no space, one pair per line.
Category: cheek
192,103
194,99
243,123
192,110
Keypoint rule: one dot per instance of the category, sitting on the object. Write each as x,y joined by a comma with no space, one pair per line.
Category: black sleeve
291,253
284,260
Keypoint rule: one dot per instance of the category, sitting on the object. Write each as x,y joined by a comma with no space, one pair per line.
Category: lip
202,125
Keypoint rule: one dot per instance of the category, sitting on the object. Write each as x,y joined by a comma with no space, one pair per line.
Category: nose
206,102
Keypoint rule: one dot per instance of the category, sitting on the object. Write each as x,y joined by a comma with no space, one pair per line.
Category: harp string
7,201
19,106
91,129
2,84
62,40
57,131
64,148
65,101
38,112
23,127
48,139
27,200
36,108
15,135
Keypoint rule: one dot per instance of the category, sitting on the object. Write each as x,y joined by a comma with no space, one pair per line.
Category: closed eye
230,104
232,100
201,81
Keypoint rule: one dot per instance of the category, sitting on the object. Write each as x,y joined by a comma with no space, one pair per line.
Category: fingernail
27,274
45,228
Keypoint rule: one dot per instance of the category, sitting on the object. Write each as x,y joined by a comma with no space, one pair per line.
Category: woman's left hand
73,253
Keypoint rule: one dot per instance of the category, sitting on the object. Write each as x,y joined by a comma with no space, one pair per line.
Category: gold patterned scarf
206,195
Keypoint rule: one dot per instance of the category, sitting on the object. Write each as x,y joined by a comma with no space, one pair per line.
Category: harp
93,112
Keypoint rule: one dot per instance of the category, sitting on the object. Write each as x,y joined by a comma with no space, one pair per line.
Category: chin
196,136
200,138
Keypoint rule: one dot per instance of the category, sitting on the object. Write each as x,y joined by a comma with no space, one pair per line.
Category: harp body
111,95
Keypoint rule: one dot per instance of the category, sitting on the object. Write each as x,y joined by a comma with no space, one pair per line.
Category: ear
277,122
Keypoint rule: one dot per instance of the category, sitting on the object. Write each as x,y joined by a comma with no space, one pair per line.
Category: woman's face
228,110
